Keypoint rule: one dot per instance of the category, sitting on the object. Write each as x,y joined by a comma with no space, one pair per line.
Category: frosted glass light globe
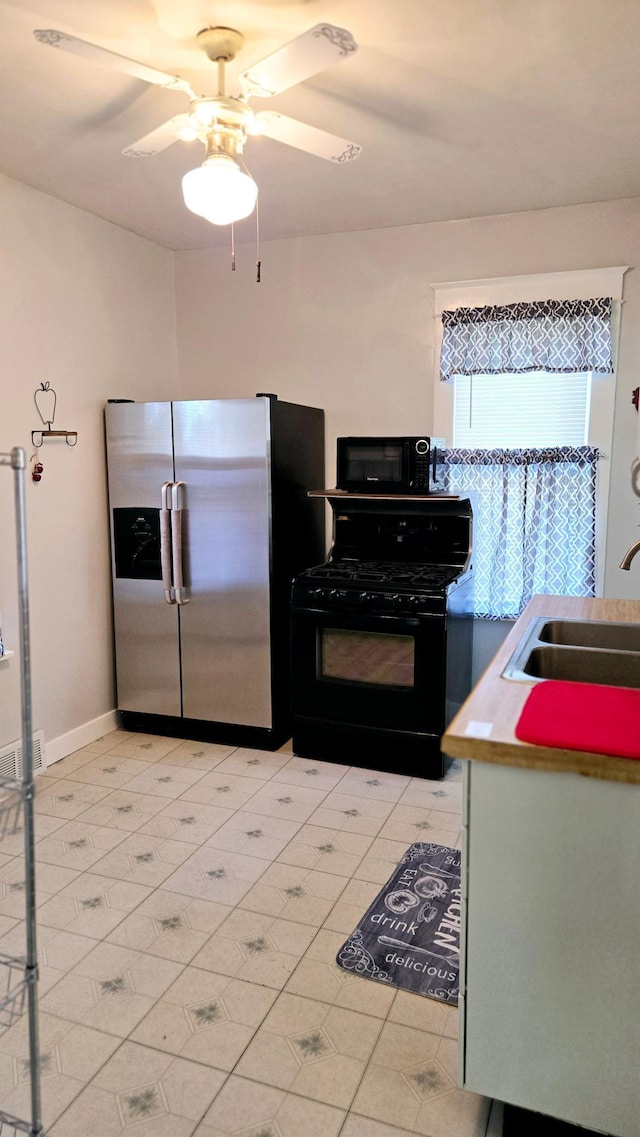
219,191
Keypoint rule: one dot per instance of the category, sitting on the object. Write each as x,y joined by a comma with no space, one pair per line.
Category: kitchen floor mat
410,935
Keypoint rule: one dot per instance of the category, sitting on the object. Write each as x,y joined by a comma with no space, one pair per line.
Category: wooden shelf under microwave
386,496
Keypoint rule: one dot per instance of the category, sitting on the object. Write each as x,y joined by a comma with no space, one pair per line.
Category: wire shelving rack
19,974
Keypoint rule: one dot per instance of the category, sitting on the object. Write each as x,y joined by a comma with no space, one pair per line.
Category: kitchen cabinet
551,1018
550,981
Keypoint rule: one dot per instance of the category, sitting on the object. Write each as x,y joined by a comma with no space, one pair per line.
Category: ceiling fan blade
303,57
158,139
111,59
305,137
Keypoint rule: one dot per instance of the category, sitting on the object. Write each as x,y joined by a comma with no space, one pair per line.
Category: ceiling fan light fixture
187,133
219,191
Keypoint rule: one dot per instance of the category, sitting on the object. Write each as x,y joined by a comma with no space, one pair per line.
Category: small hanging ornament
36,467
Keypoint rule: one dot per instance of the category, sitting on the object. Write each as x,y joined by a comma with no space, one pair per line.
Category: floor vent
11,757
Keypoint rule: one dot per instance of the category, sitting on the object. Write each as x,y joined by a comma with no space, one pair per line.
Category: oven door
371,671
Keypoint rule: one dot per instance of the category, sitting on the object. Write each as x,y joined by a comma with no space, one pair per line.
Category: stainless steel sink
580,651
591,633
584,665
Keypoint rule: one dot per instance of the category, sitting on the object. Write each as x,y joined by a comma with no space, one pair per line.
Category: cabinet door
552,1001
140,460
222,454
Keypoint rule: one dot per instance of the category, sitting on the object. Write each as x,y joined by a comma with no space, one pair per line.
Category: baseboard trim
57,748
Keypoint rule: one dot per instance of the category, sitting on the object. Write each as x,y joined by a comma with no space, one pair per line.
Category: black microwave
391,465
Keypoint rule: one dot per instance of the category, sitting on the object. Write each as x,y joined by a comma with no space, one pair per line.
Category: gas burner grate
394,575
331,572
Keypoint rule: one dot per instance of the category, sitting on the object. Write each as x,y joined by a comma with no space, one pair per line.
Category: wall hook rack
45,399
38,436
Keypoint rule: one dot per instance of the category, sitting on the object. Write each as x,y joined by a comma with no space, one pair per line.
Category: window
527,442
509,290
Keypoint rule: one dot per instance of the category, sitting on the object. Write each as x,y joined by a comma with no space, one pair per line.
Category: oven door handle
358,619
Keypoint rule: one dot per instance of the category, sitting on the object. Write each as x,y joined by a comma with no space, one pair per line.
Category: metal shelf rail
19,975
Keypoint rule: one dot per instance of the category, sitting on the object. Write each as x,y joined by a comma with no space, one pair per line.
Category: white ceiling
463,108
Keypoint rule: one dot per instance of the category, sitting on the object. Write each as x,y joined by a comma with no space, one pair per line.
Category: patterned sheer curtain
534,515
534,523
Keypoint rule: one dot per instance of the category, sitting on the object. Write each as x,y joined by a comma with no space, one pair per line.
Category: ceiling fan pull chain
243,164
233,248
258,261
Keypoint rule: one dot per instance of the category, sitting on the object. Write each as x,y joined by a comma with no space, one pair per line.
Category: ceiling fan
219,189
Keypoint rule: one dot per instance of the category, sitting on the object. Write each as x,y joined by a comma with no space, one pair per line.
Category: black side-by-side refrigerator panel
210,519
298,463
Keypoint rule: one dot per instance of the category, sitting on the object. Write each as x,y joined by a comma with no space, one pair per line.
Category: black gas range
384,585
381,634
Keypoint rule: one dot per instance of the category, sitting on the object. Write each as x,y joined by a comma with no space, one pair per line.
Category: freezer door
222,455
140,460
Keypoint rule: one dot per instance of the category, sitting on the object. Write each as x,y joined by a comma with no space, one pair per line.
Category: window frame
581,284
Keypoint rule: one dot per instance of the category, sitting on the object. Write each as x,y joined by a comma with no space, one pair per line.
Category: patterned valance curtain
569,336
533,525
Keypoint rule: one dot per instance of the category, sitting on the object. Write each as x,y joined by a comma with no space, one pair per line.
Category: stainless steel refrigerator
210,521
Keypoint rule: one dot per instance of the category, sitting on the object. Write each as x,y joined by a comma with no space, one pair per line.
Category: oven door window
369,670
371,658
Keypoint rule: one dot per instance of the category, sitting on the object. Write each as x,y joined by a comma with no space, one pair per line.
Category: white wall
90,308
345,322
339,322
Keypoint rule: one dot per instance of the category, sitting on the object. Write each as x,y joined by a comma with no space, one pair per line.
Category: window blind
520,411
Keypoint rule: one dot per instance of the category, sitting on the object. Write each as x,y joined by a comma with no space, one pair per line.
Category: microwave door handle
176,542
165,544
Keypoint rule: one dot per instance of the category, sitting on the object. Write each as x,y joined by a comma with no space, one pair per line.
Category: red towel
582,716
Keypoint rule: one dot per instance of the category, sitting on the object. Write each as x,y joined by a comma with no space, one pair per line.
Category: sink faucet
625,563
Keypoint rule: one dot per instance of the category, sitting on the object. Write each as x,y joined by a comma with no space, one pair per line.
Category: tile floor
191,900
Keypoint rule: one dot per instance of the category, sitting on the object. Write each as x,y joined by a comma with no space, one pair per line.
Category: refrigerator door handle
176,542
165,544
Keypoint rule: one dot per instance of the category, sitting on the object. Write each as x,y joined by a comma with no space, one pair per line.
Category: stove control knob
316,593
363,598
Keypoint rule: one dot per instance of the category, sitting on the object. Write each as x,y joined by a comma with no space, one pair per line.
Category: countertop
484,727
